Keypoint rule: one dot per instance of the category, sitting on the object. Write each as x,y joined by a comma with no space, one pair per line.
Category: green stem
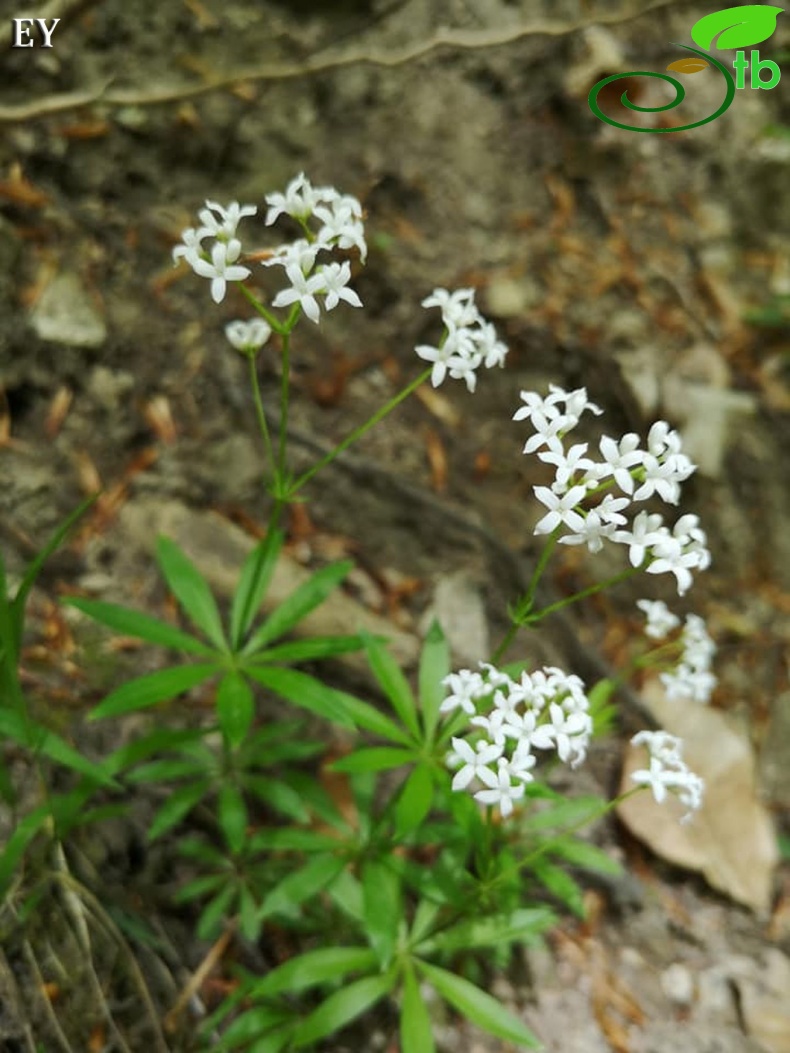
591,591
284,393
524,605
357,433
263,427
277,326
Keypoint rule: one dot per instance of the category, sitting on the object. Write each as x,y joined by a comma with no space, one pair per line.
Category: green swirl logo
733,27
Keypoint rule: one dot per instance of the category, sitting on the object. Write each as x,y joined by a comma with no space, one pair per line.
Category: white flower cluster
668,771
692,678
341,227
545,709
638,474
469,340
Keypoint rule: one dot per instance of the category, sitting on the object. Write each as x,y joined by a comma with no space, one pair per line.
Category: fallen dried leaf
731,840
58,410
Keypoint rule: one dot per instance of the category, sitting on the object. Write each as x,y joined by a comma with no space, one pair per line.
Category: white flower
558,506
222,268
489,346
568,732
342,225
589,529
458,307
300,253
660,620
336,277
302,291
299,200
647,529
474,761
619,458
455,347
576,402
500,789
464,687
248,336
667,771
550,426
191,246
223,225
567,463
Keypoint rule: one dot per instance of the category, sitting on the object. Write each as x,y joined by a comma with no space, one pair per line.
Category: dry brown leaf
439,405
437,459
731,840
58,410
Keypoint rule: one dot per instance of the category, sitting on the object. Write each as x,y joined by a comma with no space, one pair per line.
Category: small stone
65,314
677,983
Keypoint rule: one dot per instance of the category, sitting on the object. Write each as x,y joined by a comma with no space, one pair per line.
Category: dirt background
651,268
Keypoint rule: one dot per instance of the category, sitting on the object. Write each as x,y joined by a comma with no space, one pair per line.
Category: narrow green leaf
33,568
133,623
393,683
152,688
383,906
307,650
346,892
313,968
249,924
215,913
198,887
251,1025
559,883
178,804
424,917
40,740
253,583
583,854
569,813
295,607
520,926
21,836
166,770
434,667
305,691
301,885
158,741
232,815
478,1006
374,758
279,795
341,1008
368,718
235,708
191,590
416,1034
290,839
414,801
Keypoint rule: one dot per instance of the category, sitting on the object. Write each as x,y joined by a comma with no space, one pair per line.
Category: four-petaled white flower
222,268
336,277
559,505
303,290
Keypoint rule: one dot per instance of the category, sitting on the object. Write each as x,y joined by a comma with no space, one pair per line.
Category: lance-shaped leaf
478,1006
736,27
415,1020
235,708
393,683
434,667
253,583
152,688
313,968
383,907
415,800
132,623
342,1007
295,607
303,690
191,590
